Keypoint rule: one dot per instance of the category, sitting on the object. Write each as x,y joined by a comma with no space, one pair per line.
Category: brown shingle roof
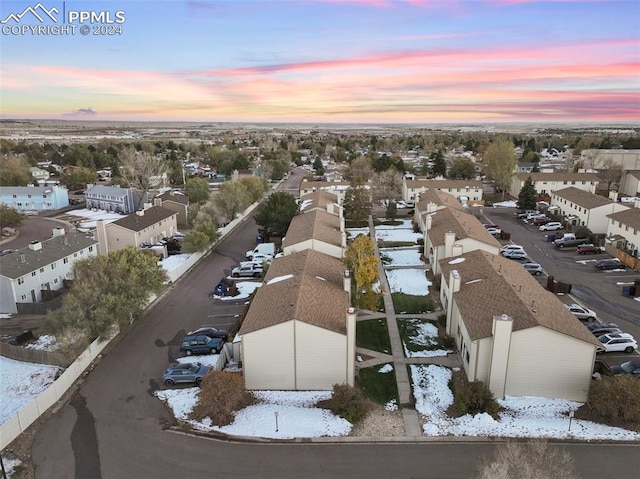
326,185
582,198
629,217
439,184
176,197
150,216
316,224
492,285
306,286
558,176
440,198
319,199
462,224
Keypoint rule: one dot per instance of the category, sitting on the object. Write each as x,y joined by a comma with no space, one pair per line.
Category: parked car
580,312
201,344
525,213
551,226
542,220
594,326
533,268
534,215
602,331
185,373
616,342
609,264
511,247
515,254
211,332
630,367
494,231
247,269
490,225
589,249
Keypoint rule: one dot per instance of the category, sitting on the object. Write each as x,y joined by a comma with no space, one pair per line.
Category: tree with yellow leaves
361,260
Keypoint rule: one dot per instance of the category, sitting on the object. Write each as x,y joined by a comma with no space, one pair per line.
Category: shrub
447,342
347,402
221,395
473,398
616,397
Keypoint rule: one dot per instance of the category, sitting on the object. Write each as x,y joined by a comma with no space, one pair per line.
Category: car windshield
604,338
194,367
627,367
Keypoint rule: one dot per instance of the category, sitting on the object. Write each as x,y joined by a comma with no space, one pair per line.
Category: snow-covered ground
397,235
245,289
426,334
20,382
408,281
174,261
92,217
402,256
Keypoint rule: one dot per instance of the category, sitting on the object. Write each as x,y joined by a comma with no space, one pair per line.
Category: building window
90,249
20,280
55,280
65,260
466,356
75,255
24,296
42,270
53,266
33,273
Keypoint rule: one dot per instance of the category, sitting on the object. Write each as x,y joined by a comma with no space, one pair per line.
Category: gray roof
174,196
629,217
106,190
582,198
143,219
53,249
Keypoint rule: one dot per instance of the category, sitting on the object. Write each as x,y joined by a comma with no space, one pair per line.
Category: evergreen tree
275,215
439,167
527,196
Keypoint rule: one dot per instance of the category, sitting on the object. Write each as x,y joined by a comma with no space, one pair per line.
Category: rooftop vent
35,245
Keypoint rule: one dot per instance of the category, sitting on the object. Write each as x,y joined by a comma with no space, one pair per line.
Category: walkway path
405,398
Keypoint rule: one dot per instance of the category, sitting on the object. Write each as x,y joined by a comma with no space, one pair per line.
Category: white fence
13,427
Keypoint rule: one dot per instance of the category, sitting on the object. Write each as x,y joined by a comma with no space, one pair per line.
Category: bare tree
361,169
610,173
532,460
387,185
142,170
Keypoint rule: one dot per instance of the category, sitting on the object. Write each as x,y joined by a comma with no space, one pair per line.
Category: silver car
533,268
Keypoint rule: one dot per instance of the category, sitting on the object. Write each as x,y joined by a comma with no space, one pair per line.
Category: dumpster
550,238
628,290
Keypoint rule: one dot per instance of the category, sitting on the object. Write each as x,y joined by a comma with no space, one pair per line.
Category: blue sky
415,61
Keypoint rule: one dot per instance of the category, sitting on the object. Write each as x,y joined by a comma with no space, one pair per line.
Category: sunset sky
329,61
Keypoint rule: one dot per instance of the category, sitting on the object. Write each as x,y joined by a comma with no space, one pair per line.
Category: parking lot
600,291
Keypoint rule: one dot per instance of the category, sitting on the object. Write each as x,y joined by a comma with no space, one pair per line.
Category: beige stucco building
512,334
450,232
299,331
317,230
623,230
431,201
596,158
148,226
547,183
460,189
581,208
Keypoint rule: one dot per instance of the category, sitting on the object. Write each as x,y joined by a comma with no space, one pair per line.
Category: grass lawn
379,387
373,334
410,304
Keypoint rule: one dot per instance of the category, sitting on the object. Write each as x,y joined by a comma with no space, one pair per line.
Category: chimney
342,223
343,240
101,235
346,281
457,250
140,212
35,246
157,202
351,346
58,232
429,222
502,328
613,195
146,206
449,240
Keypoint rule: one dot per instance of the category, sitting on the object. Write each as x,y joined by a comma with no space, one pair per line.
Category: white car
580,312
515,254
617,342
494,231
511,247
553,226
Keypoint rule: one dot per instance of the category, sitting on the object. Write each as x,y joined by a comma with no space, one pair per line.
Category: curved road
113,427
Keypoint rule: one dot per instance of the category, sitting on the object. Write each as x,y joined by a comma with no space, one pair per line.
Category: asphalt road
34,228
113,427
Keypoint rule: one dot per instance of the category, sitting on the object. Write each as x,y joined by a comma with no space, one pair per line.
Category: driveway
34,228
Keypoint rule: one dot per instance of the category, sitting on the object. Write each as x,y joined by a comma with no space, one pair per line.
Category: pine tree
527,196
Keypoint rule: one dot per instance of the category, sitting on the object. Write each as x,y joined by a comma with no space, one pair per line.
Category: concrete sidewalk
412,425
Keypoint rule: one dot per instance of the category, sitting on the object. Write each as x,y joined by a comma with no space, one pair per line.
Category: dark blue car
201,344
